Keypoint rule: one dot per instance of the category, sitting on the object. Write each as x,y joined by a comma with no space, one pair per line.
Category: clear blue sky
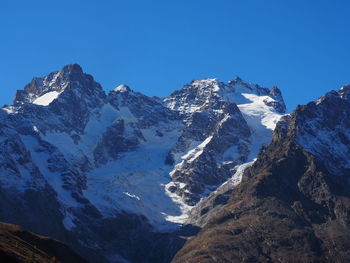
157,46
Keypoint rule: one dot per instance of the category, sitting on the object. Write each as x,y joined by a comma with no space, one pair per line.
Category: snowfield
47,98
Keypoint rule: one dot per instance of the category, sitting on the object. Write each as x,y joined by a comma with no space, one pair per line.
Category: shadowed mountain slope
20,246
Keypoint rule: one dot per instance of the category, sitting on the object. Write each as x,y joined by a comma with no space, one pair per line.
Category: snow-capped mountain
123,164
225,125
293,204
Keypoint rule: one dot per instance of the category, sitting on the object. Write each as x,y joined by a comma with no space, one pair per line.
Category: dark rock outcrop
20,246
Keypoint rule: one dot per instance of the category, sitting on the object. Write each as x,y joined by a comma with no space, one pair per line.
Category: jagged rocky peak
322,128
69,95
197,96
148,110
44,90
121,93
224,120
122,88
273,98
345,91
203,94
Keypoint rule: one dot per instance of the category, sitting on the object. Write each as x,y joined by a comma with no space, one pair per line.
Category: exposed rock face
115,176
202,168
20,246
324,130
207,207
293,204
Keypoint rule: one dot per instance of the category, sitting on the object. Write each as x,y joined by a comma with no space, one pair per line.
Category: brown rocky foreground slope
289,206
18,245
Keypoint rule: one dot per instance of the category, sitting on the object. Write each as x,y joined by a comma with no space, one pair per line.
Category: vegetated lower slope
20,246
293,204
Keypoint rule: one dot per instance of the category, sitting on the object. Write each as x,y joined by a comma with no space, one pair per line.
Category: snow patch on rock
47,98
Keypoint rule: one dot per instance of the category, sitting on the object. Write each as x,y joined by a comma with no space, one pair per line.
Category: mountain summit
42,91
